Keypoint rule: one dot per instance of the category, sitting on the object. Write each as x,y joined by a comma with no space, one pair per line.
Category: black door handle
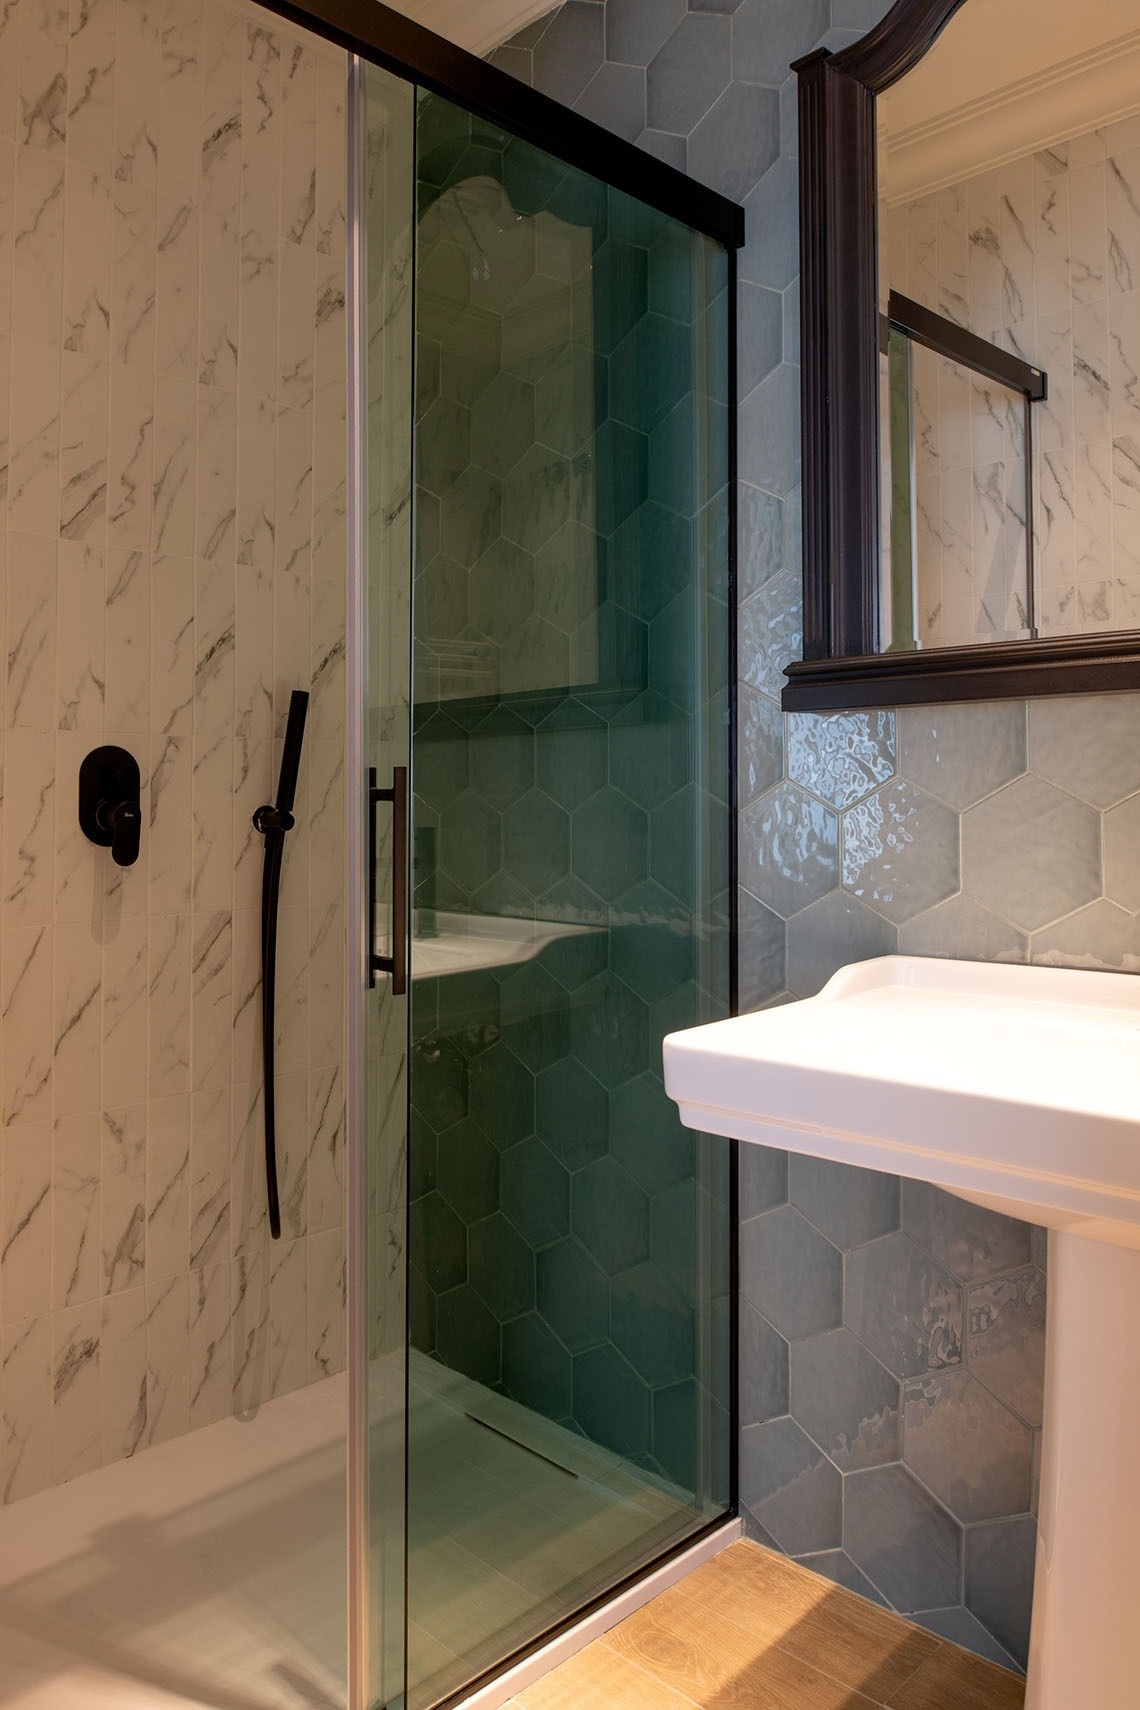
273,821
124,821
396,963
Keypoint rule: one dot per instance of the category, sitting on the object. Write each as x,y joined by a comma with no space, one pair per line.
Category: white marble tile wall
1041,255
172,540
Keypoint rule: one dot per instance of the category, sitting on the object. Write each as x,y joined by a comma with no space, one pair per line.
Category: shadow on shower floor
209,1573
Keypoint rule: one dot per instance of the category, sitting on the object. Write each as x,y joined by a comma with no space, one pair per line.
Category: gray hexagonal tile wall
897,1542
966,1446
1031,853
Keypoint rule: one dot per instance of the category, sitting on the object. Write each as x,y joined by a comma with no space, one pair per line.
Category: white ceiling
1006,77
477,25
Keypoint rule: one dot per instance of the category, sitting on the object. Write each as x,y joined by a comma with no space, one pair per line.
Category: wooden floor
751,1628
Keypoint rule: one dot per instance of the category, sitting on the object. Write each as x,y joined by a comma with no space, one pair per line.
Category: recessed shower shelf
466,943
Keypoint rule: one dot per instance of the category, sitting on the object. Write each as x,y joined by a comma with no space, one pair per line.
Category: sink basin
1017,1088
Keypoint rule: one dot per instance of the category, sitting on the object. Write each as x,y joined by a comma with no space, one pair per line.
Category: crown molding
480,26
1093,89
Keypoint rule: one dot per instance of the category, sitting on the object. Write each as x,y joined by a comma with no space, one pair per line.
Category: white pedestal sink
1017,1088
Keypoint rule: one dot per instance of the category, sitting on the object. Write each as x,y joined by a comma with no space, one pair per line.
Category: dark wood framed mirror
1071,624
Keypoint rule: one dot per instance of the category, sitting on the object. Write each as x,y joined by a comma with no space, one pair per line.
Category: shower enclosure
334,363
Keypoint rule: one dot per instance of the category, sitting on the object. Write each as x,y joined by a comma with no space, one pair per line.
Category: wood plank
772,1599
707,1658
599,1679
955,1679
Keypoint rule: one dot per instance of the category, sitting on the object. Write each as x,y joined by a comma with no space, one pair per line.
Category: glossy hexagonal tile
536,841
763,1179
534,656
610,1215
1005,1340
902,1539
441,761
900,851
841,757
671,832
536,1367
789,849
536,497
621,291
650,372
622,464
1121,834
848,1205
613,1031
502,423
762,953
763,1368
571,753
845,1400
611,1402
501,1092
438,1242
573,1294
792,1488
1099,936
470,838
535,1193
440,598
647,559
688,73
566,580
906,1309
564,408
443,281
443,445
791,1273
501,1266
962,927
972,1242
471,354
966,1447
829,935
500,590
652,1325
536,1022
651,750
1087,746
467,1335
501,758
471,513
610,842
1000,1560
771,633
674,1228
760,755
1031,853
572,1113
468,1171
962,753
647,1137
736,142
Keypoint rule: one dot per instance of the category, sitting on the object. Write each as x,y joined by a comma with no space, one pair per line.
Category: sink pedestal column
1086,1598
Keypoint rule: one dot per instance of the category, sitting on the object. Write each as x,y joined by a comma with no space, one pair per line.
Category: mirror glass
1009,268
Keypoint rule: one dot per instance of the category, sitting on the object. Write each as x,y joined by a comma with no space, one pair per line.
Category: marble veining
1041,255
172,549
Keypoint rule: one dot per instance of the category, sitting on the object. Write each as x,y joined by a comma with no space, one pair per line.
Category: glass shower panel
384,114
569,1242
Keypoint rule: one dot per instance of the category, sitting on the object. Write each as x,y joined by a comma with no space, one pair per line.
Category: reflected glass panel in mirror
1010,204
959,561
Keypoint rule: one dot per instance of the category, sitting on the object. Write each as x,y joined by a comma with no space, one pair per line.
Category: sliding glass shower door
548,1250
